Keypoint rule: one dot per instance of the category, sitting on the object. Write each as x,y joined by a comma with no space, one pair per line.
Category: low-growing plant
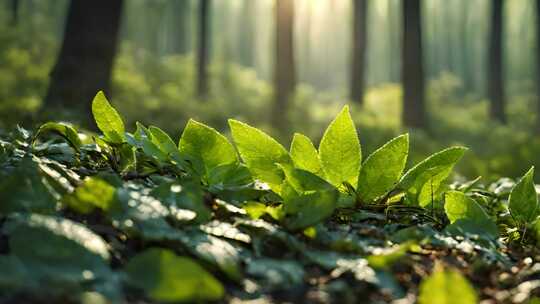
136,215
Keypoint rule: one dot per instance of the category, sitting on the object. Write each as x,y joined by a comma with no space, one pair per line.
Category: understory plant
128,215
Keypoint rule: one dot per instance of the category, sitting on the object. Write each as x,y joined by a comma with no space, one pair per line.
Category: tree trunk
468,81
495,70
306,64
412,74
284,73
359,47
181,42
246,32
203,49
14,12
85,61
393,38
538,65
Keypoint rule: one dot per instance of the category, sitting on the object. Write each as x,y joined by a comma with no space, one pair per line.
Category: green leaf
14,275
308,199
26,189
304,155
54,238
386,259
94,193
523,201
229,176
382,169
163,141
166,277
423,181
260,152
277,274
65,130
214,251
128,159
187,195
457,206
153,151
142,132
445,286
59,254
479,230
340,152
206,147
107,119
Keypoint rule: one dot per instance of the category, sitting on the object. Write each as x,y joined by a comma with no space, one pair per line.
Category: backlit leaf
260,152
423,181
523,201
339,150
304,155
166,277
445,287
206,147
382,169
107,119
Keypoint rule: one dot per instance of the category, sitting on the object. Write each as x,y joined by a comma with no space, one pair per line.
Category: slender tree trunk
14,12
306,71
181,41
285,72
495,70
85,61
538,65
203,49
246,32
465,47
393,38
359,51
414,112
448,29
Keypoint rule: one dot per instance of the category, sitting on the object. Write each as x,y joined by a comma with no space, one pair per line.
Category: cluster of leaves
130,216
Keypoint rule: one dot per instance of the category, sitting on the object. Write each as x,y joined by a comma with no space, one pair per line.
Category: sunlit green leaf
339,150
457,205
304,155
308,199
260,152
166,277
206,147
424,180
107,119
445,287
382,169
65,130
94,193
523,201
163,140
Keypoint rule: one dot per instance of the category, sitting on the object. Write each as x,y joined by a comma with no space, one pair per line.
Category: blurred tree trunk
465,47
246,32
412,74
495,69
14,12
203,49
181,42
359,47
85,61
285,72
306,44
538,65
448,29
393,29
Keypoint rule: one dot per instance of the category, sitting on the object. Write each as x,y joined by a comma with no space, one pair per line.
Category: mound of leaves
134,217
